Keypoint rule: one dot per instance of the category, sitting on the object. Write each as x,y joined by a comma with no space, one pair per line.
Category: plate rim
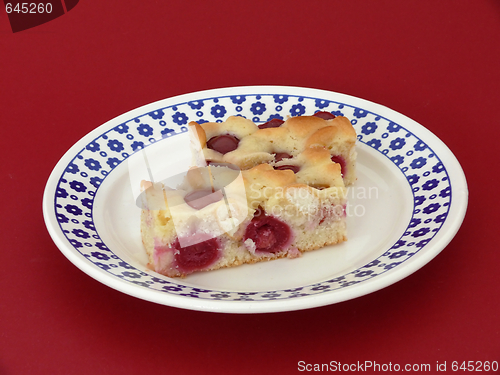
453,222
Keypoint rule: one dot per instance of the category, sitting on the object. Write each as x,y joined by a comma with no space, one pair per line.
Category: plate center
380,208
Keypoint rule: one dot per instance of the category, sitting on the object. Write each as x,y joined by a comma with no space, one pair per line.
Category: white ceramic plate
408,203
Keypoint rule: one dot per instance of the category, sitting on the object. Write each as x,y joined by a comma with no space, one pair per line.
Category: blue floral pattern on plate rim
79,183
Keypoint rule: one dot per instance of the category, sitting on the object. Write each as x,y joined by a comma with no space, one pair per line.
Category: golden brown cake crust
293,137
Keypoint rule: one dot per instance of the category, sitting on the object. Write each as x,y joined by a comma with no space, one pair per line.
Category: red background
434,61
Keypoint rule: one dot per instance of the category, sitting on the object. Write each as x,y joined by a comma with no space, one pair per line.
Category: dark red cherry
265,238
294,168
199,199
340,160
281,155
197,256
324,115
268,233
274,123
223,143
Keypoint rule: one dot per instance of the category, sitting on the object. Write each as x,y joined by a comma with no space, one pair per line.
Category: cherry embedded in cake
341,161
267,234
199,199
223,143
196,257
325,115
274,123
293,168
279,156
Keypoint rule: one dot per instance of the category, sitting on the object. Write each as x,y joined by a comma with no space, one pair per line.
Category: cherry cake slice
277,203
